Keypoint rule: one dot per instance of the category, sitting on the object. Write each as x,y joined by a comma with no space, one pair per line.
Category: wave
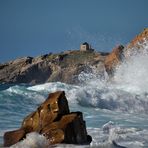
99,99
96,93
116,137
126,92
32,140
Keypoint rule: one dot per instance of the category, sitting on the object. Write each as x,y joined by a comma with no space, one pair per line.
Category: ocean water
114,110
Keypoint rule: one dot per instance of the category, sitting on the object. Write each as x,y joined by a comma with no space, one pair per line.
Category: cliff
120,53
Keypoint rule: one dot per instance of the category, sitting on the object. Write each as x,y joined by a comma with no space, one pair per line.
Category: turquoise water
126,127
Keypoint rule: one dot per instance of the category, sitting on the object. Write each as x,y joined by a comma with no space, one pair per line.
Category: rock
54,120
139,39
51,110
13,137
66,66
73,126
63,67
121,53
137,45
113,59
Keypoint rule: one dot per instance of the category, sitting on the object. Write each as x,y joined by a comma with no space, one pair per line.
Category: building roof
85,43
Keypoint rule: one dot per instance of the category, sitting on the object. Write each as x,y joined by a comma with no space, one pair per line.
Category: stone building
85,47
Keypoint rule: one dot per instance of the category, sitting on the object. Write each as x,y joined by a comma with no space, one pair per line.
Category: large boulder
54,120
73,127
54,107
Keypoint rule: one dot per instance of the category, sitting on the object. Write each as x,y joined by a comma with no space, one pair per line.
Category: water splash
131,75
127,92
32,140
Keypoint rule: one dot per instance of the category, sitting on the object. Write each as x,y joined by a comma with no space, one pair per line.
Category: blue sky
36,27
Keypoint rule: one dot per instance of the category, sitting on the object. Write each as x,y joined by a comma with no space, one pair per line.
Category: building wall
83,48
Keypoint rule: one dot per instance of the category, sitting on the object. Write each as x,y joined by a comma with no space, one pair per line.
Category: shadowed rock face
24,70
54,120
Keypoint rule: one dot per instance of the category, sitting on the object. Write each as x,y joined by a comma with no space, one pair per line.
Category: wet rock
13,137
114,59
54,107
73,127
54,120
121,53
139,39
137,45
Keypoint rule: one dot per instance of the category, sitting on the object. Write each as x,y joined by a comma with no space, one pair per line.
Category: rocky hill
66,66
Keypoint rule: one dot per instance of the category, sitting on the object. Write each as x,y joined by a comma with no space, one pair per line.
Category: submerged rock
53,120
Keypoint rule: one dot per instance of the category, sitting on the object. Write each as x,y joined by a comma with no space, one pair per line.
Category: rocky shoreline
53,118
66,66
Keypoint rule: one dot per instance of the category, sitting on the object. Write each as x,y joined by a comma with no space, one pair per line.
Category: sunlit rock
53,120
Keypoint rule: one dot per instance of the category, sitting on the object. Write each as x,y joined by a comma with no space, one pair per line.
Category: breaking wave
126,92
114,137
101,100
32,140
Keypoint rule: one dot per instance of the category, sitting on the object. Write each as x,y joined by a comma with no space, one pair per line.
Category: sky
37,27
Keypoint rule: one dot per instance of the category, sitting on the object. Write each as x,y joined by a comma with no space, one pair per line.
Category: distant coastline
66,66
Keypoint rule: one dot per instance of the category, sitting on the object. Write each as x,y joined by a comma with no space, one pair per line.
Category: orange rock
54,120
73,127
116,56
113,59
52,109
139,39
13,137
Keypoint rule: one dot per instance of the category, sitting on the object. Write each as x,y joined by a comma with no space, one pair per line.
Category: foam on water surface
122,101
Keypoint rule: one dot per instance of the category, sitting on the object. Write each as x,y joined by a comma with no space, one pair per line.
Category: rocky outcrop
63,67
66,67
114,59
137,45
54,120
121,53
139,39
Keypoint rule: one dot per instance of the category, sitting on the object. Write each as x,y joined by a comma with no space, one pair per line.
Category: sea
115,110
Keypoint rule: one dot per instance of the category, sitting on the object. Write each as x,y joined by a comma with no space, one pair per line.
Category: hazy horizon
32,28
